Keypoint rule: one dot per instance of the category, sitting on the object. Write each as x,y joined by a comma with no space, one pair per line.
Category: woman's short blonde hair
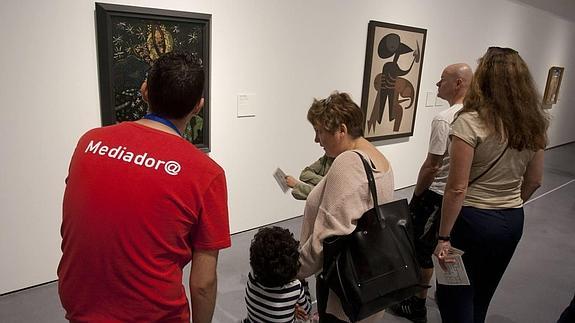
337,109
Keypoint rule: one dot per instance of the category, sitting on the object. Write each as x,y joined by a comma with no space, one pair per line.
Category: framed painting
391,78
129,40
552,85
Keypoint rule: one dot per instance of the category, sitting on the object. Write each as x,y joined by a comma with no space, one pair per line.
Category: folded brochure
455,273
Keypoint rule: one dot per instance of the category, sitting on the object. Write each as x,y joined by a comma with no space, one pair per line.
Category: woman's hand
291,181
443,253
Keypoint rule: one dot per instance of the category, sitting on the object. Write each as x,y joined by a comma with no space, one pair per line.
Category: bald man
425,205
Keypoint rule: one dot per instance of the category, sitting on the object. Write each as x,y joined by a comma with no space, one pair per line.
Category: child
273,294
309,177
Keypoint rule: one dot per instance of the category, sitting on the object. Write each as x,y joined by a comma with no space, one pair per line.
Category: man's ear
198,107
459,82
343,128
144,90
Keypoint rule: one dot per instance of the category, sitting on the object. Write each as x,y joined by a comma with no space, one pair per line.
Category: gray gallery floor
538,284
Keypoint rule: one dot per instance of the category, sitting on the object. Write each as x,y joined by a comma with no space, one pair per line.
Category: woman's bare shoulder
377,157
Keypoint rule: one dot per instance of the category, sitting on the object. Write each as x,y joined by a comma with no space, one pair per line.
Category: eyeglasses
504,50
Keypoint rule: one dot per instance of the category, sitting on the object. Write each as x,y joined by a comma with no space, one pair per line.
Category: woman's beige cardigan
333,207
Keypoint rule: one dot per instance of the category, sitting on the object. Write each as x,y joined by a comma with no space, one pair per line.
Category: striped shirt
275,304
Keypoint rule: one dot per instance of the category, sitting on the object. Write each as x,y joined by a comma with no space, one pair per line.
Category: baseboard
560,145
29,287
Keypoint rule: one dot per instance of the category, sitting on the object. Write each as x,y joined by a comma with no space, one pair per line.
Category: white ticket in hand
455,273
280,177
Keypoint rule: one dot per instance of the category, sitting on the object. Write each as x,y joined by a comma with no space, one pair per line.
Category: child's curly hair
274,256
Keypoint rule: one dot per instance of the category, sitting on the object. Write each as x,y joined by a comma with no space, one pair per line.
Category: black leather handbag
374,266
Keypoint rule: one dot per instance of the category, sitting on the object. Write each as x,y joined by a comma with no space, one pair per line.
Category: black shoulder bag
374,266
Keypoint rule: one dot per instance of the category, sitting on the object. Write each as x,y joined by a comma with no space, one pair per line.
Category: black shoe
412,308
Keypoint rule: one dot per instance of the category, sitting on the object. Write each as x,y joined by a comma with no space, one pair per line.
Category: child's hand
291,181
300,314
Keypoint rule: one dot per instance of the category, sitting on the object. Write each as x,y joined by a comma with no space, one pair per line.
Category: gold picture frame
554,77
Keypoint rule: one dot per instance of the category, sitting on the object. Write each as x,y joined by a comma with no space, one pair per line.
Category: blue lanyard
164,121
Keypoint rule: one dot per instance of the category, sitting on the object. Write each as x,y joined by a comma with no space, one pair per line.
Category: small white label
246,106
430,99
439,102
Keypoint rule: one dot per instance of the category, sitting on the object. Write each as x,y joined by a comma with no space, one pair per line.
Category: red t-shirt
138,201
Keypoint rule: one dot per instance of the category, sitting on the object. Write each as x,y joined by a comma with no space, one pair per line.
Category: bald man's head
454,82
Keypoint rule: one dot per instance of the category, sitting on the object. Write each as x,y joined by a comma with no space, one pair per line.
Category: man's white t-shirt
439,145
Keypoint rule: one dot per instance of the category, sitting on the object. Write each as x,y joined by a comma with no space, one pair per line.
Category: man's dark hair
175,85
274,256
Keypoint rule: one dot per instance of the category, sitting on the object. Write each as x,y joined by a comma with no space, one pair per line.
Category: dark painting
130,39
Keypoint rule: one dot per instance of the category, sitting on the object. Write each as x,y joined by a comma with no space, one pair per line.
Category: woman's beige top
333,208
500,187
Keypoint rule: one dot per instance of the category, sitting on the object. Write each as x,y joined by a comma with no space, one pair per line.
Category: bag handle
371,183
488,168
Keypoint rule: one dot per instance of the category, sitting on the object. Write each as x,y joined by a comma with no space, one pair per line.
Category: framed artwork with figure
552,85
391,79
130,39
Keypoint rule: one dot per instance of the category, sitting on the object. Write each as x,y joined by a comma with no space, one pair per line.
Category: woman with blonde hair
497,143
342,196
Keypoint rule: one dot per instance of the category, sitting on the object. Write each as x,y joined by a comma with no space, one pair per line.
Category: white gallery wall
284,52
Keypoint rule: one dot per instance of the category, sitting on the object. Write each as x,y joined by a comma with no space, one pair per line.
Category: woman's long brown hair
503,93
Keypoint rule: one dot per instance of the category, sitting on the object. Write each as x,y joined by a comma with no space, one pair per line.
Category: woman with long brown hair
496,164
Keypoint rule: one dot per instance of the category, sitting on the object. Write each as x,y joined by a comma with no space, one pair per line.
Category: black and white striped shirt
275,304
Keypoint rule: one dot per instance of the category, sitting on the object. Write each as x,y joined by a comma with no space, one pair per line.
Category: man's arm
438,141
427,173
533,176
203,285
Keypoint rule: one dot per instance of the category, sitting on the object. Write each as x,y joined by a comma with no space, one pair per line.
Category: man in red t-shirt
140,203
